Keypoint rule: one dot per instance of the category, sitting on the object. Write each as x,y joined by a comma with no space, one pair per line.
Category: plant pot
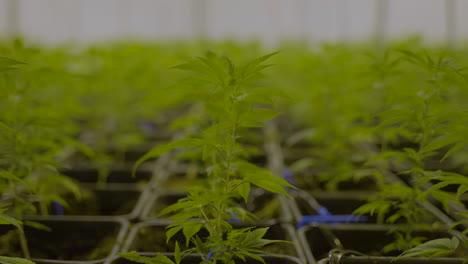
119,175
151,237
109,202
319,240
94,203
268,207
193,259
70,241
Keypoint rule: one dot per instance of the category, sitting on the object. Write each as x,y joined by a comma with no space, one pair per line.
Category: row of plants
396,134
360,133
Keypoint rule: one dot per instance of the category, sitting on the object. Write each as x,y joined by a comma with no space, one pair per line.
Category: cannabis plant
29,140
429,123
233,104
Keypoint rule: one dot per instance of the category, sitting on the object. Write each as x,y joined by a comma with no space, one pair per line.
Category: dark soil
62,243
101,202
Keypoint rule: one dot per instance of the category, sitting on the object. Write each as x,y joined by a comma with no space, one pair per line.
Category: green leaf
158,259
253,66
7,220
172,231
37,225
440,143
453,149
461,190
242,187
257,115
190,228
269,183
433,248
8,63
445,198
244,190
164,148
12,260
175,207
10,176
302,135
253,256
262,178
177,253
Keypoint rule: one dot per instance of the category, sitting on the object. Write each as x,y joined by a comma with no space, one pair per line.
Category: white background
56,21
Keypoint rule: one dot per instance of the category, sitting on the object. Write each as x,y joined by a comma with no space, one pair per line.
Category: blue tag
58,208
325,217
289,177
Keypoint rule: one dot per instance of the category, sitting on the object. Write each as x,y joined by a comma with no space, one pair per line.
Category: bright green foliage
433,248
361,115
231,104
32,136
428,122
159,259
11,260
7,220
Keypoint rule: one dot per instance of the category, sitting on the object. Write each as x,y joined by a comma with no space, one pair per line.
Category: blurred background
58,21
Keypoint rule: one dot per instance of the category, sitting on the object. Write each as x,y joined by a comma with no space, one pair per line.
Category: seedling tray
119,175
70,241
109,202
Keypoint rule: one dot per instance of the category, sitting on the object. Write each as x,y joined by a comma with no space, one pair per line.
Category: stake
13,17
199,18
24,244
451,23
381,20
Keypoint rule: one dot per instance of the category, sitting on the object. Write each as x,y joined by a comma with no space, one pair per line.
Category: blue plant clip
147,126
58,208
289,177
209,256
234,218
325,217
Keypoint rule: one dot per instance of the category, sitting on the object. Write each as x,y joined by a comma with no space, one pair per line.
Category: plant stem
24,244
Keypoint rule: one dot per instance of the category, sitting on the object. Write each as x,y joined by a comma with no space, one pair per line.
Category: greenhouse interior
230,132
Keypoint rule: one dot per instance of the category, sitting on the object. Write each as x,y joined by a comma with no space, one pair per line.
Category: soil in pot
91,175
100,202
67,240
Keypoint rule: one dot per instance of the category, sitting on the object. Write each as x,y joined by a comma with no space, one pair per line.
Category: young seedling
29,142
427,120
233,104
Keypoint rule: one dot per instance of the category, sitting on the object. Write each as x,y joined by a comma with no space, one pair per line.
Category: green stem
24,244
